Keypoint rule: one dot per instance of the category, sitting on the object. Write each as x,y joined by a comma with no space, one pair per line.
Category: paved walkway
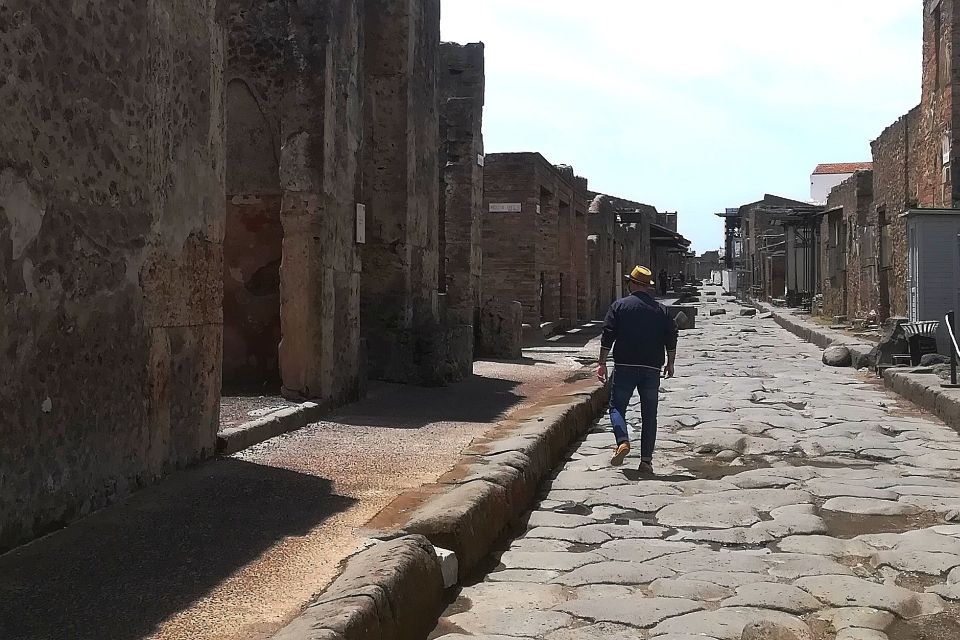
794,502
233,549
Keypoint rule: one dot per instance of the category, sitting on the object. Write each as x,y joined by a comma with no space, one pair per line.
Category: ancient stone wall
321,128
895,167
851,291
602,227
400,311
937,138
254,234
461,184
511,197
581,205
111,229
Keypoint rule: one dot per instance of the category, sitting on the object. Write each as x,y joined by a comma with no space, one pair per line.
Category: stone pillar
322,127
254,234
400,314
111,230
461,134
547,253
461,196
580,260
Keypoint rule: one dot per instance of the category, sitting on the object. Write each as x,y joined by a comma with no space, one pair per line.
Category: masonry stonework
254,233
111,229
400,304
894,191
846,251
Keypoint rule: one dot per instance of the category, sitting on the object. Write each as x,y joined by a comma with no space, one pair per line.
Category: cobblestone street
792,502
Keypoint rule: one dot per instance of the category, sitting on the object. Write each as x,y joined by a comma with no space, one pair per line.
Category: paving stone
530,623
555,561
734,536
524,575
782,597
629,573
632,531
857,617
825,546
728,623
830,489
538,545
551,519
697,560
861,634
916,561
850,591
870,506
705,514
728,579
581,535
634,551
513,595
601,631
795,565
638,612
693,589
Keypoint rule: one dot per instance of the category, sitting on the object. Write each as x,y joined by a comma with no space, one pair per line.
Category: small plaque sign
481,159
361,224
505,207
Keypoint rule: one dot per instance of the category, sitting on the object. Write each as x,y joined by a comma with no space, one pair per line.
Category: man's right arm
607,340
673,334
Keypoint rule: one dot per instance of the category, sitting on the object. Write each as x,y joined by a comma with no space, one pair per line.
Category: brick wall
509,238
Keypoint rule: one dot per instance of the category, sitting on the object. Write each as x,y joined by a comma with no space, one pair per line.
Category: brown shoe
623,449
646,469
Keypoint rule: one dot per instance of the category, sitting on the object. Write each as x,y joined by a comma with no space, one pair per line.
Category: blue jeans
647,381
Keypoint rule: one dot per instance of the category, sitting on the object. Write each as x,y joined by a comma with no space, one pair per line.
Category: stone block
501,330
837,356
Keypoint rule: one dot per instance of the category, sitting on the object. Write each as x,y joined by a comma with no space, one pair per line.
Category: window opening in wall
543,282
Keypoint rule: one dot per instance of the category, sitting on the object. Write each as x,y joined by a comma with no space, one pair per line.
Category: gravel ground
231,550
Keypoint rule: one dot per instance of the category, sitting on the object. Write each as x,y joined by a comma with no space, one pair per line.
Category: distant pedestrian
643,337
662,282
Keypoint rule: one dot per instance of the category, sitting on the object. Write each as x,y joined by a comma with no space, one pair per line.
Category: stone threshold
913,384
434,538
234,439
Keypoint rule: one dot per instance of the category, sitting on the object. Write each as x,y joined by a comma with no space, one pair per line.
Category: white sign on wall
361,224
481,160
506,207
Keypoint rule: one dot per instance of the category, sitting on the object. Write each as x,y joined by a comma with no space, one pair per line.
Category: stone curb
822,337
916,387
234,439
496,481
912,386
394,589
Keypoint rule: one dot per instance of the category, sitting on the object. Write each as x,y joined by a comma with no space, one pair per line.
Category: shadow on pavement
120,572
394,406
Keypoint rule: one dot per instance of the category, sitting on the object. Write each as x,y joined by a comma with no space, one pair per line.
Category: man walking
643,337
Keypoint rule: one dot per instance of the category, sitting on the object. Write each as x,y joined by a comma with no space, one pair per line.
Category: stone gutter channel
431,540
913,384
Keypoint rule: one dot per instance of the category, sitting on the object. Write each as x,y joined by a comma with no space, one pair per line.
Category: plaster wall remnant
111,229
254,234
400,304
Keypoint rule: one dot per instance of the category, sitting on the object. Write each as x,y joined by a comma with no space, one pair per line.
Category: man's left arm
673,334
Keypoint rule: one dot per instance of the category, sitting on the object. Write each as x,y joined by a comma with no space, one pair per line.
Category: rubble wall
894,190
111,228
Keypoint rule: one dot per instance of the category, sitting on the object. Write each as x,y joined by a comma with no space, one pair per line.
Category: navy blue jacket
640,331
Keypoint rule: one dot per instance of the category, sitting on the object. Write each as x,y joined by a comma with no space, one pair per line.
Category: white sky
693,105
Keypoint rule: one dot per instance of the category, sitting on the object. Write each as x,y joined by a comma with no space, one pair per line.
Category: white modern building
827,176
